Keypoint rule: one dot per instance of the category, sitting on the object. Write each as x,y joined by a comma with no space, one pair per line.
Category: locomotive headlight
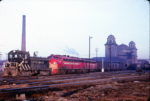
55,63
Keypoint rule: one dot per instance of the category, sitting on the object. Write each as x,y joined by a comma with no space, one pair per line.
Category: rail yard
76,50
95,86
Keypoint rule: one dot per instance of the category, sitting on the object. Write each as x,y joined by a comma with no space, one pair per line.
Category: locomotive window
50,57
26,56
16,56
65,59
10,56
20,55
55,57
79,61
69,59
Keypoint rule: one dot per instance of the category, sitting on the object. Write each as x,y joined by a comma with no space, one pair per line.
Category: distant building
118,57
125,52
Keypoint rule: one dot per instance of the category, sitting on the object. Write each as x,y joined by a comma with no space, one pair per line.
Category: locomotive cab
18,56
16,59
21,64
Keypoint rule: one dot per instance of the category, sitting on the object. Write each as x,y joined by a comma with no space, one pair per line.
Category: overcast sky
64,26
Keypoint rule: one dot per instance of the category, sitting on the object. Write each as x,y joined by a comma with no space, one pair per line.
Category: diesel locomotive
20,63
62,64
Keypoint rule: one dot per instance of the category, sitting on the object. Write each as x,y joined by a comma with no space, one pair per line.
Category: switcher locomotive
20,63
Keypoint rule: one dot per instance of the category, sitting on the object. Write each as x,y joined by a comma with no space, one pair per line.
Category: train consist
20,63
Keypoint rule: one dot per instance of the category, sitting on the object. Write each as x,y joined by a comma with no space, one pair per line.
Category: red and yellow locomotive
63,64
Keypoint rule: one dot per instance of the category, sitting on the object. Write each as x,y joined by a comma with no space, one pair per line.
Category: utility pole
110,56
102,70
89,49
6,56
0,56
96,50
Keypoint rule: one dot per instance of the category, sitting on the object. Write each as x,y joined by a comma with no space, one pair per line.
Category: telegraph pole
102,70
96,50
110,56
0,56
89,49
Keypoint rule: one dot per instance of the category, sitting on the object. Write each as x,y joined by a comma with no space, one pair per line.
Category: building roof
111,40
123,46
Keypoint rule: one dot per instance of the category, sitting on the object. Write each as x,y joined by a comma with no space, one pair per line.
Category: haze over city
64,26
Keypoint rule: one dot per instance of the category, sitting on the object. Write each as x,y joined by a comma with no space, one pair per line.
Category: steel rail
70,84
13,81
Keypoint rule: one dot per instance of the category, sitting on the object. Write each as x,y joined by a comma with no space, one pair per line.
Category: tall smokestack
23,45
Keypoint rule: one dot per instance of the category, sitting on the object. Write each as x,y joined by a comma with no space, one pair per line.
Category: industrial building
117,56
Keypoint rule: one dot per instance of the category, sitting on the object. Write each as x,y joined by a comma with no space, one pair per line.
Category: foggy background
64,26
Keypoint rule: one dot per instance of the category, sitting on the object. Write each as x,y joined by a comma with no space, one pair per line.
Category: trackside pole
102,65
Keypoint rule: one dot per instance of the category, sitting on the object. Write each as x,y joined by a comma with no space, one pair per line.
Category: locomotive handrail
21,63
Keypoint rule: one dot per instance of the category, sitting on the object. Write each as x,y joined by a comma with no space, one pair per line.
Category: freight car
63,64
20,63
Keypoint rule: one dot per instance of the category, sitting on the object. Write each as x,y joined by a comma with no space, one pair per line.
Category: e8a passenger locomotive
20,63
62,64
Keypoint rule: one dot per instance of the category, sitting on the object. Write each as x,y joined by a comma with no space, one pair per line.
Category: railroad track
52,83
64,82
75,83
55,80
31,80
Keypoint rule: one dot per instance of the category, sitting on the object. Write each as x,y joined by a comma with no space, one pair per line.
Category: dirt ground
120,87
131,91
115,91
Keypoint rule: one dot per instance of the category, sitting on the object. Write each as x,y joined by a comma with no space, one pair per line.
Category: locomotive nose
53,62
54,67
